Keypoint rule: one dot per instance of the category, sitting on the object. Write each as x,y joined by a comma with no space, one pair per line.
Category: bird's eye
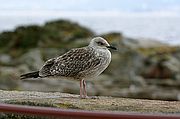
100,43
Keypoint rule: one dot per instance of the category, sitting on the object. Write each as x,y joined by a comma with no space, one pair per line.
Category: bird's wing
74,62
45,70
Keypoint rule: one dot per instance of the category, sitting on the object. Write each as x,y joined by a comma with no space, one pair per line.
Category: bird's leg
81,88
84,89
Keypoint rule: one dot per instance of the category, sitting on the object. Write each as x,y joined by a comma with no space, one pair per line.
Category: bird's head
100,43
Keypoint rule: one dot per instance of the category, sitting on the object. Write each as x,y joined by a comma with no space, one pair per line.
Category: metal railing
76,114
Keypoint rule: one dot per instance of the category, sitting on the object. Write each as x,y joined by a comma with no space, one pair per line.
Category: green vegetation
55,34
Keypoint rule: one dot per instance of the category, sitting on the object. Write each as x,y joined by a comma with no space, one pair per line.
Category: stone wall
101,103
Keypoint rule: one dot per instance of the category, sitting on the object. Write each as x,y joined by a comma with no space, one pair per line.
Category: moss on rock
56,34
69,101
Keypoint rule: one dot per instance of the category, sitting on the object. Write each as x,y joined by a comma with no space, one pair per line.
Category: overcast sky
20,12
116,6
89,7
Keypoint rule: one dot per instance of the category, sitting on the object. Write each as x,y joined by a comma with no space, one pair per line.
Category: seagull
77,64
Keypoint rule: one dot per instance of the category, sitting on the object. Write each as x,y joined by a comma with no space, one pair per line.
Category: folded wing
71,63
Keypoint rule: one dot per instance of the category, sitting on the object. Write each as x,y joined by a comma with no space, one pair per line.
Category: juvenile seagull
78,64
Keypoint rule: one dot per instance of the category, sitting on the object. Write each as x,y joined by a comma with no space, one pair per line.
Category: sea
163,28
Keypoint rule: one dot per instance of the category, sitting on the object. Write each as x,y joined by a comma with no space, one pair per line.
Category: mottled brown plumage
72,64
78,64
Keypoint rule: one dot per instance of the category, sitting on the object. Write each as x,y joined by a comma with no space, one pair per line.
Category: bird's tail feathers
30,75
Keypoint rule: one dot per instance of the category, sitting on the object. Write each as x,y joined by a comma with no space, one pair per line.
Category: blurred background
146,33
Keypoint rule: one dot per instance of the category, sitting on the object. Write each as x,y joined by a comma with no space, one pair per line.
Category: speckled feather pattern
79,63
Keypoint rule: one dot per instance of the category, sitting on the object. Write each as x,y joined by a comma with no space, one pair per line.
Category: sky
116,6
23,12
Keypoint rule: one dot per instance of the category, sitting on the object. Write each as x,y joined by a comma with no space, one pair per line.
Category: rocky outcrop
55,34
136,70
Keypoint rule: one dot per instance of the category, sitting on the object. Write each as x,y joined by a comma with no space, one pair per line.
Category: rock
69,101
48,53
5,59
149,43
178,78
103,104
163,67
138,81
54,34
134,65
66,31
9,82
136,43
130,43
113,37
9,71
33,59
173,64
176,53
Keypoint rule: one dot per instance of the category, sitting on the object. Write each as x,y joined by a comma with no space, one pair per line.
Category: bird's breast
105,59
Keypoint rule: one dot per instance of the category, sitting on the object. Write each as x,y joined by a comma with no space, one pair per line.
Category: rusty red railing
56,112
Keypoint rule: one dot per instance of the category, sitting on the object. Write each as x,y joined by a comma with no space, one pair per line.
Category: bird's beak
111,47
